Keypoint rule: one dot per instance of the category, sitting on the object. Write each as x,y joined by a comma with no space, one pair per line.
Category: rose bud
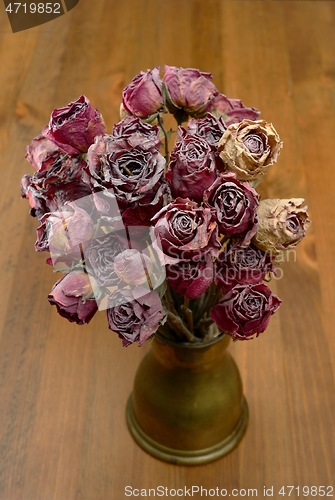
209,128
191,278
248,148
74,127
69,232
237,265
188,89
72,295
134,315
235,204
133,267
185,232
232,110
143,96
136,131
282,225
192,167
245,311
43,153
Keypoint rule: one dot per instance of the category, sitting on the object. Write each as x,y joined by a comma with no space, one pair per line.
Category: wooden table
63,388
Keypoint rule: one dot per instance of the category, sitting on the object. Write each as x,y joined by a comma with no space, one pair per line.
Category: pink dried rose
209,128
189,90
185,231
73,297
235,204
133,267
192,167
134,315
136,131
135,173
191,278
237,265
143,96
248,148
74,127
245,310
42,153
282,225
68,232
232,110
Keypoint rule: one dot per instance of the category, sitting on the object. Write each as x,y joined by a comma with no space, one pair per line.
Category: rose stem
188,313
204,324
210,294
174,320
166,140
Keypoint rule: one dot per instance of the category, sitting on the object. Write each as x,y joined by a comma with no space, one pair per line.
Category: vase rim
191,345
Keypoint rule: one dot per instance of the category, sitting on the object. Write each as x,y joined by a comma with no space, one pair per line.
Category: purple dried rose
191,278
43,153
134,315
48,190
189,90
143,96
235,204
232,110
136,131
245,310
100,255
210,128
74,127
192,168
134,173
72,295
185,231
240,266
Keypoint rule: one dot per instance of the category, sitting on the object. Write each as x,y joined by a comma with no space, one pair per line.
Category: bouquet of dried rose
177,242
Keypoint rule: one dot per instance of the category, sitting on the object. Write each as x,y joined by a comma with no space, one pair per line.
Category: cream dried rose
282,225
249,147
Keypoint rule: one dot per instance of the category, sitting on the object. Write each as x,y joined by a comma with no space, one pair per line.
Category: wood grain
63,388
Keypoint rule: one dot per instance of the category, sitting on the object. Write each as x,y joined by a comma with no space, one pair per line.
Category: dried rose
134,315
245,310
136,131
188,89
210,128
282,224
143,96
240,266
48,190
232,110
185,231
68,232
43,153
74,127
191,278
133,267
134,173
248,148
235,204
72,295
192,167
100,255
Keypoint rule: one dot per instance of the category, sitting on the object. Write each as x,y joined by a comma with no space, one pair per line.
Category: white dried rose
282,224
248,148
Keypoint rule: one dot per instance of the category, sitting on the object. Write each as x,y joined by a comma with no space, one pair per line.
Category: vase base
186,457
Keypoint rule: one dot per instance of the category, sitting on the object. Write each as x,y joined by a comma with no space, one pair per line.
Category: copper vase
187,406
